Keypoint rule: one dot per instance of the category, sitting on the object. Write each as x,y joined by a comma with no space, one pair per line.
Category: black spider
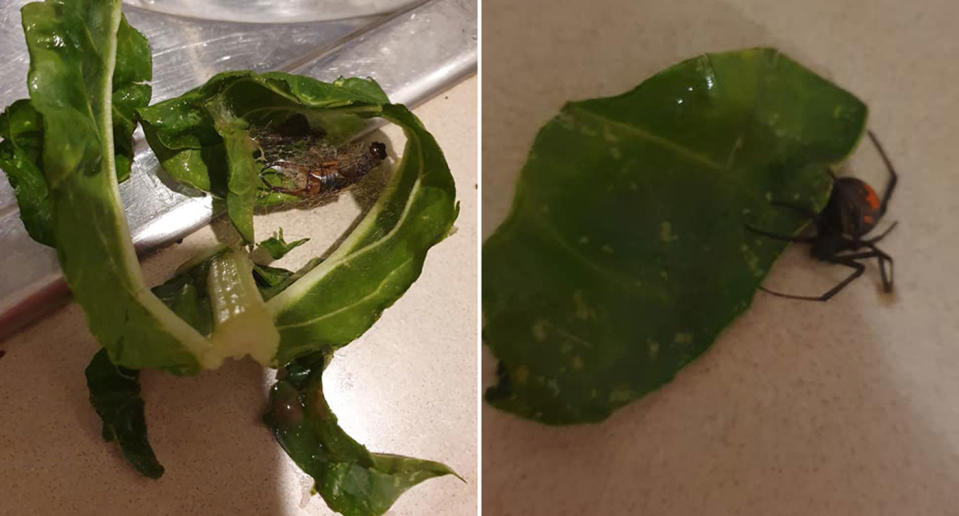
853,210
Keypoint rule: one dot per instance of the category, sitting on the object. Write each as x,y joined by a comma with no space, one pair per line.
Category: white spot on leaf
539,330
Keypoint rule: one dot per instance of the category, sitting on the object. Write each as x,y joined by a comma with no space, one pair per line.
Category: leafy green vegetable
131,92
21,128
271,280
187,292
217,294
242,170
625,253
330,303
341,297
242,324
22,131
350,479
115,394
73,48
66,149
277,247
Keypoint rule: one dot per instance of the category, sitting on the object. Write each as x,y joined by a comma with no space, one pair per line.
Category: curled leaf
338,299
351,480
71,87
21,130
115,394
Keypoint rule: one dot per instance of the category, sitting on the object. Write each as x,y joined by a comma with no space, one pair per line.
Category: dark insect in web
301,162
853,210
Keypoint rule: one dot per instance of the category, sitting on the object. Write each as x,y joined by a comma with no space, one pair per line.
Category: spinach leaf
73,50
277,247
115,394
21,129
351,480
625,252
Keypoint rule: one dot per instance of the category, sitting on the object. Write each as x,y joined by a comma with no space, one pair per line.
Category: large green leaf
21,128
626,253
351,480
73,52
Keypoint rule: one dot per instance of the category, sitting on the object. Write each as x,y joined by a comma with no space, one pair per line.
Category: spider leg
881,257
893,177
848,261
882,235
884,258
787,238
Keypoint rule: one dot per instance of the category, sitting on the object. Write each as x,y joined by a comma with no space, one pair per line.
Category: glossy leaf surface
626,253
21,131
351,480
73,50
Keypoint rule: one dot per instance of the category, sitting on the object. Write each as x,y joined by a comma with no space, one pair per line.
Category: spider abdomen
853,207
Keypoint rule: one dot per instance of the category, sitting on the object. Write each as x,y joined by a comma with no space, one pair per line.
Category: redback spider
852,211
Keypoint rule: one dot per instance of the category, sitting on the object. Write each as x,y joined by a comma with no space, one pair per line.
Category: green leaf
242,171
626,253
339,299
273,280
351,480
73,49
115,394
277,247
130,92
187,292
21,128
22,131
206,131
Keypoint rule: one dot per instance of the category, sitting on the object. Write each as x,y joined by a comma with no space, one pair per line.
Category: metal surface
412,53
285,11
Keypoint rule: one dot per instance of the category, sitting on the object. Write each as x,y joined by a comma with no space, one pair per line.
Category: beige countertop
407,386
845,407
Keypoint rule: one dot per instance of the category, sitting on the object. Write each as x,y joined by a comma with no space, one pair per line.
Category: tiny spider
852,211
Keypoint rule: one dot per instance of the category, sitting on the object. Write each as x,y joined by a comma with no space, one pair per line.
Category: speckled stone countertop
407,386
838,408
